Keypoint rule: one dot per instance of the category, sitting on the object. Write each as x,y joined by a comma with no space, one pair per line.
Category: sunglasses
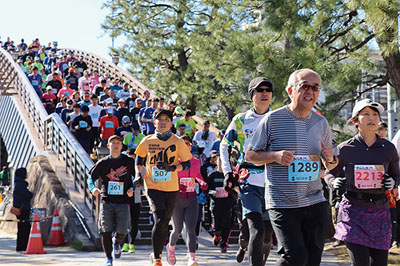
264,90
305,87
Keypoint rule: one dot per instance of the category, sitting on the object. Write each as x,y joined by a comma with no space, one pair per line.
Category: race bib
64,66
80,70
221,192
159,175
83,124
115,188
137,117
368,176
201,144
86,87
95,115
189,182
35,82
304,168
188,128
109,124
54,91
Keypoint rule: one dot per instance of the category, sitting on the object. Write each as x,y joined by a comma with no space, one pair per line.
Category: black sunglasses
264,90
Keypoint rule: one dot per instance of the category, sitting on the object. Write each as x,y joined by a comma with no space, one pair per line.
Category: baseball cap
109,100
126,119
138,100
256,82
110,110
114,137
68,82
121,100
214,153
70,102
178,110
367,103
159,112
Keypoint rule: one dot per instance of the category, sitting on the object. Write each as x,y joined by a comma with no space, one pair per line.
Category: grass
343,256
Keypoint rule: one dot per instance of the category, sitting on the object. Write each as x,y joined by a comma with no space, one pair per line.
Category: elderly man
290,141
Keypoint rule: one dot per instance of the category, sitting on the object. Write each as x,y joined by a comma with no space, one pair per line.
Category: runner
364,218
186,209
161,152
115,171
255,228
290,140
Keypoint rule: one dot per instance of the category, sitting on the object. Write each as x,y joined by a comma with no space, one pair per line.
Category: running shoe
240,255
125,247
108,262
155,262
131,248
117,251
192,262
171,259
216,240
224,249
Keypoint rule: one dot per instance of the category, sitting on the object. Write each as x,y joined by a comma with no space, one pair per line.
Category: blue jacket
21,194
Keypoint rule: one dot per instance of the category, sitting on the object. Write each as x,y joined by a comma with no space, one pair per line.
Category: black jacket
21,194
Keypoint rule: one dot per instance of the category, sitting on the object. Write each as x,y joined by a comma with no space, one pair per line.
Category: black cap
159,112
260,81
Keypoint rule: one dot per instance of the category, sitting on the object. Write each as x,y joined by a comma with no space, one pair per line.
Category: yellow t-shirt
170,151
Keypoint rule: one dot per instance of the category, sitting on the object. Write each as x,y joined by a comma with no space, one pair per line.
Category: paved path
63,256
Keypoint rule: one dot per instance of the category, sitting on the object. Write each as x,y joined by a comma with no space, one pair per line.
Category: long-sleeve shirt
194,174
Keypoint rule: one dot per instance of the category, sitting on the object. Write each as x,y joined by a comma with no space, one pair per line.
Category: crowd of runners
276,171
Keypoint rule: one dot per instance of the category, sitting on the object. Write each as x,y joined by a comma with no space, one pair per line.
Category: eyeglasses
264,89
305,87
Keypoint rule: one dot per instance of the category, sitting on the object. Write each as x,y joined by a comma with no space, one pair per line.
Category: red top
195,172
108,126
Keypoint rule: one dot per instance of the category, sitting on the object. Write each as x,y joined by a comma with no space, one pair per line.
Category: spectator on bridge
84,82
66,111
94,112
124,93
130,101
36,81
134,113
22,200
121,110
108,125
125,128
83,125
71,116
189,122
72,78
80,65
66,91
95,79
86,99
61,105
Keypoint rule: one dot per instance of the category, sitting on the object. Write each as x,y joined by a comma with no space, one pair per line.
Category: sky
73,23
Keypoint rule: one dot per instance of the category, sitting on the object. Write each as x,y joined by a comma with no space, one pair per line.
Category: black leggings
106,241
362,255
260,235
134,210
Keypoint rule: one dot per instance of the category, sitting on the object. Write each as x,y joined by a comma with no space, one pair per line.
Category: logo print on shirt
114,175
249,133
163,155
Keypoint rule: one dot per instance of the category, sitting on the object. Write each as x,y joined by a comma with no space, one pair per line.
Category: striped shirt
281,130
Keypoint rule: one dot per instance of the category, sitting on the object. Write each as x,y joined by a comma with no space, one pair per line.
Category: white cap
367,103
110,110
109,100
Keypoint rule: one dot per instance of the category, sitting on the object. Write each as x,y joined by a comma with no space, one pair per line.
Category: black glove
388,182
229,182
138,181
166,167
339,183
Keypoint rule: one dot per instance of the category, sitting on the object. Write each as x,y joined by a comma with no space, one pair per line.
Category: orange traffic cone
35,243
56,234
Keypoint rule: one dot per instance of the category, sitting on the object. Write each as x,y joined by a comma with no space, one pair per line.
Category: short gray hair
294,77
